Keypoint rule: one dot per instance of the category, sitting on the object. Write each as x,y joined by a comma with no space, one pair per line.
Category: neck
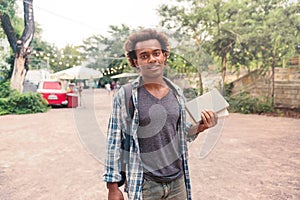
155,83
158,80
157,88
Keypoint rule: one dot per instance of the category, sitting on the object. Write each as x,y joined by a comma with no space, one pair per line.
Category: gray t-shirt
158,137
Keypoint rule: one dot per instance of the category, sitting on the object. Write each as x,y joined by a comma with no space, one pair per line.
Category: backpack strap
125,145
130,112
128,100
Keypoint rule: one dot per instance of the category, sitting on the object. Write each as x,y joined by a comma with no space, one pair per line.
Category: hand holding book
208,119
212,101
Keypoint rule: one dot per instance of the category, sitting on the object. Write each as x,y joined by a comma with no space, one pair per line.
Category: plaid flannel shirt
117,122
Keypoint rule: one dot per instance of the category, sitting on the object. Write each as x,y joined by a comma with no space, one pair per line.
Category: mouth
153,67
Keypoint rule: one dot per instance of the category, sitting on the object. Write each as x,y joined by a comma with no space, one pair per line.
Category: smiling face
150,59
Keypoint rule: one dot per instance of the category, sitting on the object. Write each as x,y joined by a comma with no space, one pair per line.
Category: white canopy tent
79,73
124,75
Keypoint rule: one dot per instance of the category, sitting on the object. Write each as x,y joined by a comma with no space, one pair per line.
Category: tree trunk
223,74
21,47
18,75
200,83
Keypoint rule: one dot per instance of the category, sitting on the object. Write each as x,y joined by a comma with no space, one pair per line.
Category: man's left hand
208,119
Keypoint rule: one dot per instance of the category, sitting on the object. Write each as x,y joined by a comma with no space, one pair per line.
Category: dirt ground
46,156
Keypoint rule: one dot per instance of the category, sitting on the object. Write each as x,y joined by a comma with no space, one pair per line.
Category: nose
152,59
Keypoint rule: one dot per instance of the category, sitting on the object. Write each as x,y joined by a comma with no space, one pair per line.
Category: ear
165,57
135,63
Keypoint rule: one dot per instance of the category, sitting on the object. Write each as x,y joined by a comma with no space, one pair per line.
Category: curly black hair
143,35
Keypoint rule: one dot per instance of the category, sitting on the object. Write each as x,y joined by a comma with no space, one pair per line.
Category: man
157,165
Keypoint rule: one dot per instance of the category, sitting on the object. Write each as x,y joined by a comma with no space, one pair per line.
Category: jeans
174,190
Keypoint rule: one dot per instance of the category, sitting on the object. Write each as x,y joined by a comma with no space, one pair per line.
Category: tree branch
9,31
28,23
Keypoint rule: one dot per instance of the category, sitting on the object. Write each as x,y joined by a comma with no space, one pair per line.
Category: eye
157,53
144,56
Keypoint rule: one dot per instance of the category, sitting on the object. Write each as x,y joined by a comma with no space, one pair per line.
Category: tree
269,33
188,57
48,56
19,46
238,33
106,51
200,21
282,38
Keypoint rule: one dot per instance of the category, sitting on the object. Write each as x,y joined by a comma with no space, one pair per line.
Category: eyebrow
144,52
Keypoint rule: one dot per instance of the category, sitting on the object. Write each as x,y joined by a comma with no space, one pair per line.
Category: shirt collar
138,83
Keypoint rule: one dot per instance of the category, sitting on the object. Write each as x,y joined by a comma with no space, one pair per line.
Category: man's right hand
114,193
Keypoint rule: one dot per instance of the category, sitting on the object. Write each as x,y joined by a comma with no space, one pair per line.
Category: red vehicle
54,92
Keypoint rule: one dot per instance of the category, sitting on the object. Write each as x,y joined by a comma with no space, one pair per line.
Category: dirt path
44,156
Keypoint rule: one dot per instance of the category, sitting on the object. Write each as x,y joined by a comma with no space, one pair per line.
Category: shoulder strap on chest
128,100
130,112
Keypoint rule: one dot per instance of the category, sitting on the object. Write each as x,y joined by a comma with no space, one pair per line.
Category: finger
211,118
216,117
209,115
204,120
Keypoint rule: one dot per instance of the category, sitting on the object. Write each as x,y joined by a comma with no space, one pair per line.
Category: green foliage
6,72
12,102
237,33
117,66
246,104
45,55
102,51
4,90
190,93
180,64
4,106
27,103
7,7
103,80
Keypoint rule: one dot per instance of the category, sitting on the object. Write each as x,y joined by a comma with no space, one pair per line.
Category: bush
4,89
4,108
246,104
190,93
27,103
12,102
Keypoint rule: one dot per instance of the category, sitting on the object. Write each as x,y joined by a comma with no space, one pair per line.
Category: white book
212,100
